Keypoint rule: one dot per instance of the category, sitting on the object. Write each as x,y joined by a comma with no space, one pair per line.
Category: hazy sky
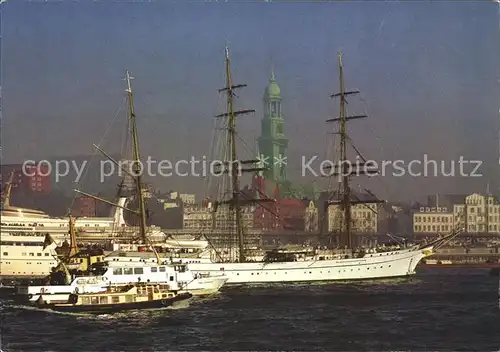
429,75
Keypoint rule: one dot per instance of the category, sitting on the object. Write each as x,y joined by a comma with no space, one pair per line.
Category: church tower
273,145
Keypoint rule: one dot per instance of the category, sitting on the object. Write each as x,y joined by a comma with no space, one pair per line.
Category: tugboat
119,299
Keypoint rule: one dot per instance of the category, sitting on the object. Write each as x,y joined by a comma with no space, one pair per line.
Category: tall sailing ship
241,266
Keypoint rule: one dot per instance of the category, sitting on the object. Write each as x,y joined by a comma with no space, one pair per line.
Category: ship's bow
418,256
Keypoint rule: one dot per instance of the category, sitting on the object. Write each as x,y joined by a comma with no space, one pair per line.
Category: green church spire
273,90
273,145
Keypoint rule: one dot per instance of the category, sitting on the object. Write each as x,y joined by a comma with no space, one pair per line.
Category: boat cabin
83,260
121,273
129,294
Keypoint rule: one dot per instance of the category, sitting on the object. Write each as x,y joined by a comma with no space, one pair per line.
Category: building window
273,108
279,128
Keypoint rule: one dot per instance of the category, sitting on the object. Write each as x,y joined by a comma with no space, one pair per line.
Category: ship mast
234,165
233,160
137,160
346,190
73,248
8,191
345,168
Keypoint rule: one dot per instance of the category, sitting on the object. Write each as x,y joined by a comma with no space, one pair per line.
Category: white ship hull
372,266
25,257
25,268
205,286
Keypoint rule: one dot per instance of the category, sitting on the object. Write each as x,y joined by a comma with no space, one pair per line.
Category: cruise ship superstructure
23,232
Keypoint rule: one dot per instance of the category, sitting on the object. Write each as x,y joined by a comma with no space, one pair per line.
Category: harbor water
438,309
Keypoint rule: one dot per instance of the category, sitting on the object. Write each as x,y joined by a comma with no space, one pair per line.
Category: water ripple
438,310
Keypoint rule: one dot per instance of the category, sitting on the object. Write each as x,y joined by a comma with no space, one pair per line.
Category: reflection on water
448,309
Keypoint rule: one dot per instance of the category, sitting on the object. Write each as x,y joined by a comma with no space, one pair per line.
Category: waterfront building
35,178
438,220
395,218
202,217
185,198
197,218
311,217
85,206
477,214
363,215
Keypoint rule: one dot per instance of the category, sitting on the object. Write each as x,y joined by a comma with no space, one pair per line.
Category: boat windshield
56,278
99,268
181,268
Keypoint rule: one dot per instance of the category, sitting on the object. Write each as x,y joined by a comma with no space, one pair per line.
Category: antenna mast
137,161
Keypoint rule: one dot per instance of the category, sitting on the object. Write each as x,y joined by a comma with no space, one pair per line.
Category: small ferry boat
119,299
